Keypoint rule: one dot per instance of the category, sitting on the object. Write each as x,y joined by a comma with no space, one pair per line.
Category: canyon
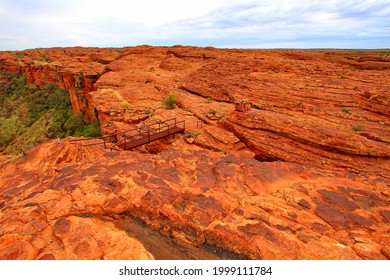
285,155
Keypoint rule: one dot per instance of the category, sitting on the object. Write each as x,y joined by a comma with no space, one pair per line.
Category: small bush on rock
170,101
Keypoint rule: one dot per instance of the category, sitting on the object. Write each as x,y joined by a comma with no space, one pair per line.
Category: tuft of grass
19,54
347,111
357,128
150,112
212,112
191,134
44,57
118,96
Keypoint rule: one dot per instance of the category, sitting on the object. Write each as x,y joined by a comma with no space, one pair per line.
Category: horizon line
195,46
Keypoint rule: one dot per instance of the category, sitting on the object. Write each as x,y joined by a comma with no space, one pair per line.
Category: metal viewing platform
129,139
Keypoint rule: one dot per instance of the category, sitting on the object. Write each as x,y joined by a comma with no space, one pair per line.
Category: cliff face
73,69
286,155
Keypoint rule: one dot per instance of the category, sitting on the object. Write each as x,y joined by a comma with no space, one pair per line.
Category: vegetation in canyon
30,115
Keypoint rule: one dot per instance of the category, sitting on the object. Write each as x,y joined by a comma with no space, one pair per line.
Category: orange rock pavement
302,173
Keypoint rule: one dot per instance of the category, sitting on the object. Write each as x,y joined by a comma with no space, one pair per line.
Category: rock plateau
285,155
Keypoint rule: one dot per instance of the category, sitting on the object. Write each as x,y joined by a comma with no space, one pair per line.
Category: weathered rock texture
286,155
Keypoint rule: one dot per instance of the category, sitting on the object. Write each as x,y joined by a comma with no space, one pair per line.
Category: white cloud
44,23
147,12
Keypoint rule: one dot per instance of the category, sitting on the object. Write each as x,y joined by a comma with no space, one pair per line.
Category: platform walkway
129,139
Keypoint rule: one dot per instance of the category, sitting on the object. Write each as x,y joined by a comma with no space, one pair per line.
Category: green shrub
91,130
347,111
72,124
45,58
357,128
19,54
8,130
170,101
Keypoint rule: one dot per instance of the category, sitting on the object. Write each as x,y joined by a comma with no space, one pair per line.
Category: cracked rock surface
285,155
261,210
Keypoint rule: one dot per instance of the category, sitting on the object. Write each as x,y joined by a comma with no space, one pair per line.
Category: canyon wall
73,69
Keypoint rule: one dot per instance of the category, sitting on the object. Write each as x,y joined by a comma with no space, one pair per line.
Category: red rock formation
259,210
73,69
300,170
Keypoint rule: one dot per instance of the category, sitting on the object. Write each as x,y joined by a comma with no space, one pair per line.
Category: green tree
32,114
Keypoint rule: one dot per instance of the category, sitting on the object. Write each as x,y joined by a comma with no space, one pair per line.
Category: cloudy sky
219,23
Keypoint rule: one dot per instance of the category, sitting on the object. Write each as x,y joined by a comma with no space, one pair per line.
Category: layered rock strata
286,155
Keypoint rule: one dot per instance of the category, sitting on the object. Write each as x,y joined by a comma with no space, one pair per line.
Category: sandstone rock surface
273,210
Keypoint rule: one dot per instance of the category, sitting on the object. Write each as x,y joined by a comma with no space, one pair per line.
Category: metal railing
149,133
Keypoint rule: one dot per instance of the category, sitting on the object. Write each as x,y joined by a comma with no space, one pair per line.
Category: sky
349,24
